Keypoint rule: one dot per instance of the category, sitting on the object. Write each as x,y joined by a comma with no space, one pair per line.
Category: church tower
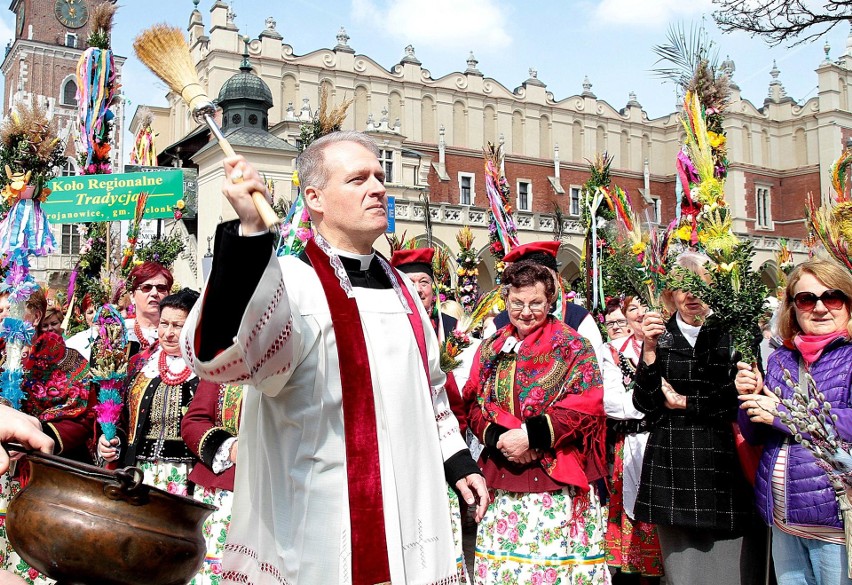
41,61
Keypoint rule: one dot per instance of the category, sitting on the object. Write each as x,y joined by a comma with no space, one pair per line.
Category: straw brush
164,51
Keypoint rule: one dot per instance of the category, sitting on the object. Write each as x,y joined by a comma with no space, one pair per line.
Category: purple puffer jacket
810,497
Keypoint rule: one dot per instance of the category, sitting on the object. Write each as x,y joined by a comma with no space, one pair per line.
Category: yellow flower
638,248
710,191
684,233
716,140
724,267
460,271
180,204
295,179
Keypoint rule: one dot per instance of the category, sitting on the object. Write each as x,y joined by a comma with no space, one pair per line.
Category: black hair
184,300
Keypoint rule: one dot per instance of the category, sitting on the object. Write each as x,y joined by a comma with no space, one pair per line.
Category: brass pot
84,525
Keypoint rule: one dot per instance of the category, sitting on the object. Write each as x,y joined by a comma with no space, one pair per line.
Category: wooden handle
264,209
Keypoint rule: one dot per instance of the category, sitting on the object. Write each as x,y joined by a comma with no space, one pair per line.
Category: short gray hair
311,163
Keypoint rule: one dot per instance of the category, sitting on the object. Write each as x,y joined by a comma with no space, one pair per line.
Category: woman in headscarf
535,401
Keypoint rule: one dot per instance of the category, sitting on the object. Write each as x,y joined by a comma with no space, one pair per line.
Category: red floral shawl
554,368
56,386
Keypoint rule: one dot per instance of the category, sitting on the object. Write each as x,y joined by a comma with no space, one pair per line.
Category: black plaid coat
691,475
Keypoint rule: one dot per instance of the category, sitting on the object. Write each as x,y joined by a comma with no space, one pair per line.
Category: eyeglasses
148,287
616,323
535,307
832,299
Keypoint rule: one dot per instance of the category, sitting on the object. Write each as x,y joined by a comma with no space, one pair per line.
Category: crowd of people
304,396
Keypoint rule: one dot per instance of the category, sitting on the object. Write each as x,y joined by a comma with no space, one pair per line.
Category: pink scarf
812,346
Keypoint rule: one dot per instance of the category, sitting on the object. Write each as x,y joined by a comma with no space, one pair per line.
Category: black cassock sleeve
238,265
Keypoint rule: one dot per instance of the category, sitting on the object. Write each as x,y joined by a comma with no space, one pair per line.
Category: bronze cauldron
84,525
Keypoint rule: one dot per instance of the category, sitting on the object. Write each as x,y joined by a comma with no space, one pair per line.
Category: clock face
72,13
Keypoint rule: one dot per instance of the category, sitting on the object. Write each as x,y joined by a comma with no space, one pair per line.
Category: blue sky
609,40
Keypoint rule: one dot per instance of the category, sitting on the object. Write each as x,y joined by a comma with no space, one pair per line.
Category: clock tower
41,62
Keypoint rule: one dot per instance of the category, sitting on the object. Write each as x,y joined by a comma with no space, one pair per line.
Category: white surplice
290,519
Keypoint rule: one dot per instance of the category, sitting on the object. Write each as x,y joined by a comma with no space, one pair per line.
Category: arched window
600,139
624,154
359,108
427,119
747,146
545,141
69,92
489,125
459,125
801,147
576,141
517,132
394,108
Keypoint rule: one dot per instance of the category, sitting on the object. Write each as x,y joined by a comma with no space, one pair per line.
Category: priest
347,437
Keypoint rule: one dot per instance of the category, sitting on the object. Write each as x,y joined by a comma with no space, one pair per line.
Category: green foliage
734,292
162,250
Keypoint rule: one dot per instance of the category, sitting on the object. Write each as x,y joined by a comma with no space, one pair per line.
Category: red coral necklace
168,377
143,341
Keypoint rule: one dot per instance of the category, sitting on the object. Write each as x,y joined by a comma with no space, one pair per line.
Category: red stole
363,473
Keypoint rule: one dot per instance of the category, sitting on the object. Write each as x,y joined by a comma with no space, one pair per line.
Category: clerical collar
364,259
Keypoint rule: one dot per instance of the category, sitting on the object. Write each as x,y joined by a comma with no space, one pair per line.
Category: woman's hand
108,450
760,407
232,452
748,379
674,401
652,327
515,446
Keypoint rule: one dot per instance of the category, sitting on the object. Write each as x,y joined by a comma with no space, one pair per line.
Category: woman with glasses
793,493
535,400
148,283
692,486
632,546
160,385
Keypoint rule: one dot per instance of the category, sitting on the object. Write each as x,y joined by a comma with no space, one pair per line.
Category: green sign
96,198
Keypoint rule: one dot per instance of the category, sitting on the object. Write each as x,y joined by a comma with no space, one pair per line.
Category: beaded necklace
143,341
167,376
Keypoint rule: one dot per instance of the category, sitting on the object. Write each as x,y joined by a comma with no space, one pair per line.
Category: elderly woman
632,546
692,486
535,402
793,494
160,385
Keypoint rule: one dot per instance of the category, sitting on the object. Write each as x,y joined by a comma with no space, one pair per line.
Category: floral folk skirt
535,538
9,559
631,545
215,532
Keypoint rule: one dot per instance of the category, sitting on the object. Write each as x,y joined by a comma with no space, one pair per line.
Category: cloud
649,12
450,24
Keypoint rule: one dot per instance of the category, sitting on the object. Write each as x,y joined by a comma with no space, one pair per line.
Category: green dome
245,86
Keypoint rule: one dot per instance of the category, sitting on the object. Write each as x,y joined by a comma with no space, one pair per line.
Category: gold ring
237,176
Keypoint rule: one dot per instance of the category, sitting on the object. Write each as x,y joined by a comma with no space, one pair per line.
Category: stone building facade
431,131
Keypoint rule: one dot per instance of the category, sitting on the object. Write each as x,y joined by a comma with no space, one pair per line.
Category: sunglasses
832,299
148,287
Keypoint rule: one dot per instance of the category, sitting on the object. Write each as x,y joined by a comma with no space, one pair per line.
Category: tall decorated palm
733,289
